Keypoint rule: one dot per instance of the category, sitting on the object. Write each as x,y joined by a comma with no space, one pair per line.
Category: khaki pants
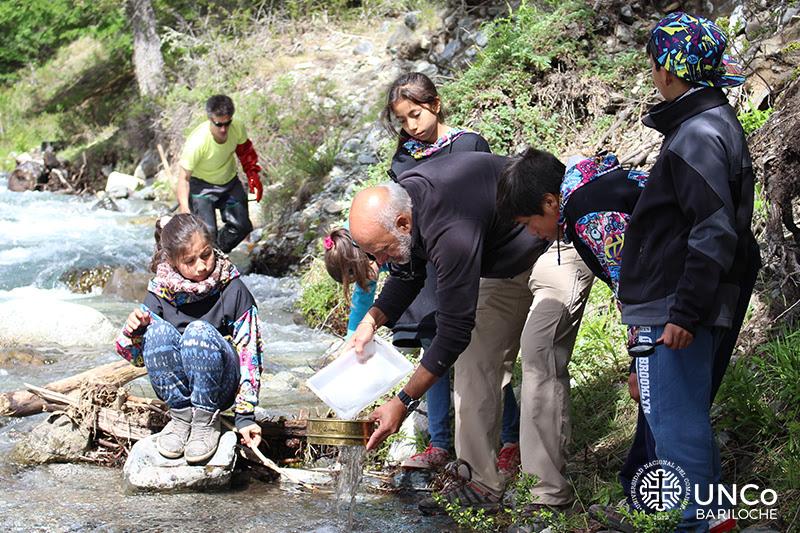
538,311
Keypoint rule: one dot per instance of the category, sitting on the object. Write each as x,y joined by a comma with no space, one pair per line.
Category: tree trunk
776,158
147,59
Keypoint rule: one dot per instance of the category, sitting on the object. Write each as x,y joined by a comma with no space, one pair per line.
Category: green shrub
33,30
321,301
753,119
758,408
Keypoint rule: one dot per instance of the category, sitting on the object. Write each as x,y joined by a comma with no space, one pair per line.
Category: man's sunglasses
222,124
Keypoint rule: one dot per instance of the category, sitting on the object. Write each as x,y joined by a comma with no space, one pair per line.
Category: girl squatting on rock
197,333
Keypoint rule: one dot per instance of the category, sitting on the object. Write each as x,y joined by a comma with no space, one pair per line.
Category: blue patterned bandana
693,49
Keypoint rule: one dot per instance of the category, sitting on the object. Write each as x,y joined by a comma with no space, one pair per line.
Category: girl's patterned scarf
421,150
177,290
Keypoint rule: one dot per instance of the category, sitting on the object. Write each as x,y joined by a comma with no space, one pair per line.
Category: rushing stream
43,235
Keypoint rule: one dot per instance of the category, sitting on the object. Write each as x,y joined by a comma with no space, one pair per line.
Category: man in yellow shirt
208,179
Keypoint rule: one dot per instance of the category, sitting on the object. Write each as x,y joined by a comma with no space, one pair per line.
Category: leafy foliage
467,517
498,95
321,302
753,119
34,29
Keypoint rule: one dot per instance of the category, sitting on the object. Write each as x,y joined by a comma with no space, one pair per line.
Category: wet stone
56,440
83,281
413,479
26,356
146,469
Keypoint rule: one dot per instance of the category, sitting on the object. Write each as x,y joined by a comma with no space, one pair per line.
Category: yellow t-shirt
208,160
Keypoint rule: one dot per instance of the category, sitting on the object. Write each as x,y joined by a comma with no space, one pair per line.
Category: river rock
21,356
364,48
426,68
105,201
26,176
411,19
120,185
404,43
146,193
281,382
405,445
128,286
146,469
416,479
148,166
83,281
41,320
56,440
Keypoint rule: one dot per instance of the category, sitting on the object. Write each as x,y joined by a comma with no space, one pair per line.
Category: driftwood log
26,403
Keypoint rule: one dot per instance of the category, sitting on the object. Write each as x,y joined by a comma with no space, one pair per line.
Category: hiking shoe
609,516
204,437
459,489
508,460
432,458
172,439
533,520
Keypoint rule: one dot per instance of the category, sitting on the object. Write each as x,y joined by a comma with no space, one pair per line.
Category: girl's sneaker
204,437
432,458
172,439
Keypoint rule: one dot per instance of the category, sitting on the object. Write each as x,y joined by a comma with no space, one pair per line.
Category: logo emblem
660,486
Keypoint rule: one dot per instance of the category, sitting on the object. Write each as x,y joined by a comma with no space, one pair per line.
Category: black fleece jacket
455,226
419,320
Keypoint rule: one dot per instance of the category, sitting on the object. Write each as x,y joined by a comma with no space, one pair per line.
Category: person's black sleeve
457,258
400,289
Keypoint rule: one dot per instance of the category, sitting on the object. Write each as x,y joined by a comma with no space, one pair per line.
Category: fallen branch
26,403
269,463
131,426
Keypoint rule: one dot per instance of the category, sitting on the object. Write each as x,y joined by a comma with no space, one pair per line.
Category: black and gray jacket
456,227
689,241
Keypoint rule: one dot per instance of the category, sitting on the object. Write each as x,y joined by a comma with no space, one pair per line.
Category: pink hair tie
328,242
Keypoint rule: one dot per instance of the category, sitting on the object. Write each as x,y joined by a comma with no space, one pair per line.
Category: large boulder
146,469
38,320
59,439
26,176
128,286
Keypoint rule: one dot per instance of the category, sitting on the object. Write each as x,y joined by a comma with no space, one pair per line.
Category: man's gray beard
404,245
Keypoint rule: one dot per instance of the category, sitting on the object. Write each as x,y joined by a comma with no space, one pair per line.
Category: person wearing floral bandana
690,259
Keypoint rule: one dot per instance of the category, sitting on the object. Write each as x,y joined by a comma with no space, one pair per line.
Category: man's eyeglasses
369,255
222,124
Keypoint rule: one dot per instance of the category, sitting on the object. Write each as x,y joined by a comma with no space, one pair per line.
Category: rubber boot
204,437
172,439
